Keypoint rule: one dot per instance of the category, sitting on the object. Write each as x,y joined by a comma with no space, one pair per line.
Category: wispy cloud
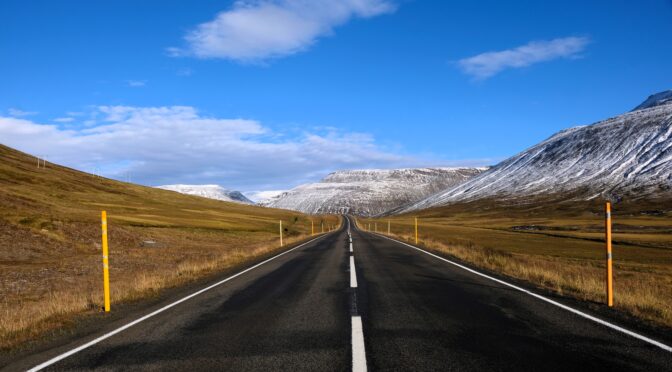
488,64
186,71
177,144
20,113
136,83
254,30
64,120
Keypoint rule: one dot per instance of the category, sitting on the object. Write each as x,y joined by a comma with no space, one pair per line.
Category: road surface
399,309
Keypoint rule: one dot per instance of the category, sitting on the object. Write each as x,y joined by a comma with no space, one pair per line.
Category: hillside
50,256
370,192
625,157
209,191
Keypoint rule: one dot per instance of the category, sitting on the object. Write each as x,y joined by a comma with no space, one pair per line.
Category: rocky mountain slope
626,156
370,192
209,191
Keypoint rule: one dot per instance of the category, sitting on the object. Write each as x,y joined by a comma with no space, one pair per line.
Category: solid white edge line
358,350
353,274
131,324
548,300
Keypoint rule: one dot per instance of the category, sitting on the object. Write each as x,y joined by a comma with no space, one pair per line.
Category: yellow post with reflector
106,264
312,228
281,233
610,281
388,227
416,230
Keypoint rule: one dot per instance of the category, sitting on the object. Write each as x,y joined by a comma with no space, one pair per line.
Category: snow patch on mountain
628,154
263,197
209,191
370,192
658,99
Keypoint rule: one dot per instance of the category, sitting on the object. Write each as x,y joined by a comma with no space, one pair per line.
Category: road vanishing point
355,300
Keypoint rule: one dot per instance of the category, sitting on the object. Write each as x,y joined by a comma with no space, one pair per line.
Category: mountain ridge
658,99
369,192
216,192
629,154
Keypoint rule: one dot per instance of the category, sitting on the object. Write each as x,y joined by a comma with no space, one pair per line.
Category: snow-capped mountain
263,197
209,191
370,192
630,154
657,99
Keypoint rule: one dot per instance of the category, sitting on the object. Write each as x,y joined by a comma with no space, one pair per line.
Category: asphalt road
301,311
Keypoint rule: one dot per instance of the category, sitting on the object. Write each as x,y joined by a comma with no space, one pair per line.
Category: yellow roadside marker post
375,226
388,227
610,282
312,227
416,230
281,233
106,265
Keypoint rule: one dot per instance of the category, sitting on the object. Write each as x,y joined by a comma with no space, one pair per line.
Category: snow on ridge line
209,191
370,192
612,157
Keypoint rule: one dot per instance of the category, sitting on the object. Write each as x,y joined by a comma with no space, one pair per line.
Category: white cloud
136,83
254,30
20,113
169,145
64,120
485,65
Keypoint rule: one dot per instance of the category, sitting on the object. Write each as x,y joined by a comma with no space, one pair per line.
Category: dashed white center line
353,274
358,352
358,348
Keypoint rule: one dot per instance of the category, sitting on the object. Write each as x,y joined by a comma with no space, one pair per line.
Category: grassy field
50,251
558,247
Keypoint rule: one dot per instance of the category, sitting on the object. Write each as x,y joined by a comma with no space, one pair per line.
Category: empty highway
375,304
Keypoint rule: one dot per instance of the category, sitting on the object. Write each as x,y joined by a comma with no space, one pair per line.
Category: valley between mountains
536,218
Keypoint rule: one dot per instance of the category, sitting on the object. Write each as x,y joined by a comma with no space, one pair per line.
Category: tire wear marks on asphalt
289,315
357,338
422,314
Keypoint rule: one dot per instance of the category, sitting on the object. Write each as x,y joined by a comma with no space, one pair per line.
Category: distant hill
50,242
55,211
627,156
209,191
370,192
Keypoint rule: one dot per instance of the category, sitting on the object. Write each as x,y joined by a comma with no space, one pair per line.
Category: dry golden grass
50,256
570,264
24,319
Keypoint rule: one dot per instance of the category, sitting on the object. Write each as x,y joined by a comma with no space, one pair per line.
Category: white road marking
353,274
350,246
548,300
358,351
131,324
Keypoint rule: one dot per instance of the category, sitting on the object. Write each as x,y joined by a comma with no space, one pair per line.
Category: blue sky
263,95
